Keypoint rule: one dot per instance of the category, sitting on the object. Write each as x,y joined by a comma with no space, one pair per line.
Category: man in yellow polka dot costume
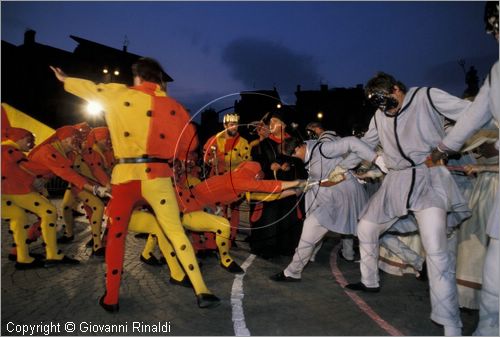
148,131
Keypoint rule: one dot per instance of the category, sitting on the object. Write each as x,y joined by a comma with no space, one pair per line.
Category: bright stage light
94,108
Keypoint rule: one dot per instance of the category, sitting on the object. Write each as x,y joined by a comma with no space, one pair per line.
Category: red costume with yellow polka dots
148,130
225,153
216,190
93,205
19,194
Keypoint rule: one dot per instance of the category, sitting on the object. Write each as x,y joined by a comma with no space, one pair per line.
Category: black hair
383,81
149,70
315,125
290,144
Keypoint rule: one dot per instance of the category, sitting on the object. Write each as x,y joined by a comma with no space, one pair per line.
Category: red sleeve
251,185
48,156
36,169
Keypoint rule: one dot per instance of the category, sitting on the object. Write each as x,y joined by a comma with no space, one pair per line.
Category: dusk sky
214,49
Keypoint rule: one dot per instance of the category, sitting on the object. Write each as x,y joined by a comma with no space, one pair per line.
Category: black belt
144,160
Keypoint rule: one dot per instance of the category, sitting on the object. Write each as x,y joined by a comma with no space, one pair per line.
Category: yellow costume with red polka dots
230,152
148,130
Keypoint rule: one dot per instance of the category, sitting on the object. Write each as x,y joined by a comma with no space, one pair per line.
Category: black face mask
382,100
311,135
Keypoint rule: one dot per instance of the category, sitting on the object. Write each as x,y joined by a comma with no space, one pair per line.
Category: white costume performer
328,136
347,250
485,106
473,238
335,208
407,138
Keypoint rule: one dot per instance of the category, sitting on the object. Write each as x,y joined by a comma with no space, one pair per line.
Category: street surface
63,298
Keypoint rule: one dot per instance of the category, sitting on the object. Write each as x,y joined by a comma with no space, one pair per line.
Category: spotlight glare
94,108
320,115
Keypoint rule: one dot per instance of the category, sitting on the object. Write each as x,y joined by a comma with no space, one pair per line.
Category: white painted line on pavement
238,316
339,277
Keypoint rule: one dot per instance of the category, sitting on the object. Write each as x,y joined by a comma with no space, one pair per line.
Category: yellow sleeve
88,90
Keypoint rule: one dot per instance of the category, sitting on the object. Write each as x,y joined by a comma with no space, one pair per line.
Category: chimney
324,87
298,87
29,37
124,48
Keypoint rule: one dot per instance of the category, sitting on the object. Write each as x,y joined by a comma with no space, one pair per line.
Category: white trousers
488,303
440,264
393,244
312,233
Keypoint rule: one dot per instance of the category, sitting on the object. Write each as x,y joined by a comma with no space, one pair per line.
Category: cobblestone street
317,305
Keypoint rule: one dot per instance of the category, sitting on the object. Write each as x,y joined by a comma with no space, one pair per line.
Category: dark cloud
262,64
196,103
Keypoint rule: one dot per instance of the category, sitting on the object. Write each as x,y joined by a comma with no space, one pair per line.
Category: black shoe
152,261
100,252
13,257
35,264
281,277
37,256
90,243
108,307
185,282
207,300
422,274
233,268
64,260
65,239
361,287
340,255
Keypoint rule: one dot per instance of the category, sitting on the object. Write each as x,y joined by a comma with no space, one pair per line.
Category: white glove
100,191
302,184
379,161
337,174
373,174
219,211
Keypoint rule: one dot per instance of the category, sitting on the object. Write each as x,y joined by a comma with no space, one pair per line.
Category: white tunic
407,140
472,236
336,207
486,105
